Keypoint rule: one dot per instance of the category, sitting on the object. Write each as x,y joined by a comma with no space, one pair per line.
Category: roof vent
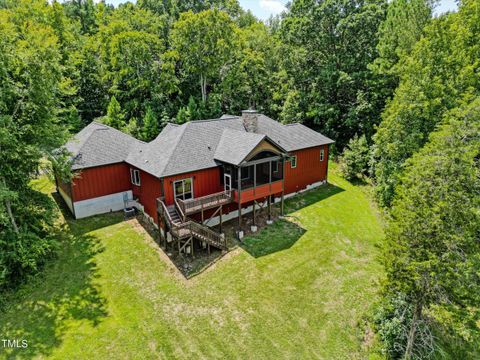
250,120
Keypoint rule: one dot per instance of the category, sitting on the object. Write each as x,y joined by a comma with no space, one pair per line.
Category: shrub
355,158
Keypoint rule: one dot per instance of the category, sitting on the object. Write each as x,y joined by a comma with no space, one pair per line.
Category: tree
129,50
328,46
432,247
115,116
403,26
133,129
174,7
84,12
247,82
355,158
30,95
204,43
150,126
189,112
440,72
134,70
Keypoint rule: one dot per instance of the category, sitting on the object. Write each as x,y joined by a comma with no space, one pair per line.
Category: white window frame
293,160
322,154
228,188
135,177
183,187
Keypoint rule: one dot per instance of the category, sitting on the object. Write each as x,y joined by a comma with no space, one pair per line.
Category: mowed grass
298,289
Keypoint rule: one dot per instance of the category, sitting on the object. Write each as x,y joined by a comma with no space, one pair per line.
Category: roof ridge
206,120
178,141
108,127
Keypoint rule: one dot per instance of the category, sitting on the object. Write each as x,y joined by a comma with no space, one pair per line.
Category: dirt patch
186,266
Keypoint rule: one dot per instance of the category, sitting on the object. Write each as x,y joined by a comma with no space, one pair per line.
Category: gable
264,145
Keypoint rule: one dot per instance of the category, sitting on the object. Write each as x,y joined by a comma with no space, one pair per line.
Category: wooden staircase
174,216
183,228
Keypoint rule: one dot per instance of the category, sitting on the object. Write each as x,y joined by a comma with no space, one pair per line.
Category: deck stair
174,216
183,228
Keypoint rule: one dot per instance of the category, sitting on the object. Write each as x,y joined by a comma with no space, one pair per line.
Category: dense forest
395,87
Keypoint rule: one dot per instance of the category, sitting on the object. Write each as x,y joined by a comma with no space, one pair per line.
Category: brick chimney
250,120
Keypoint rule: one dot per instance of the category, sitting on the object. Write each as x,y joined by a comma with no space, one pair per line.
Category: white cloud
275,7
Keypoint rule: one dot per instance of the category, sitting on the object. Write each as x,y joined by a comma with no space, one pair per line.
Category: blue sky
264,8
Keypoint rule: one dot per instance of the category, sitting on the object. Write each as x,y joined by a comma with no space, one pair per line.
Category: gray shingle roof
234,145
188,147
193,146
98,144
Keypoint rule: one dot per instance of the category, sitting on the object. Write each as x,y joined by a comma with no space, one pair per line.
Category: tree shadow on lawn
311,197
281,235
65,290
284,233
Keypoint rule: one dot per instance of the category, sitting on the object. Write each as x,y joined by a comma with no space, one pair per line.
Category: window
245,173
322,154
183,189
135,177
275,166
293,162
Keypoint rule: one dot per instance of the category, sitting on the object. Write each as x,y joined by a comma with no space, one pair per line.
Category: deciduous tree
433,248
205,42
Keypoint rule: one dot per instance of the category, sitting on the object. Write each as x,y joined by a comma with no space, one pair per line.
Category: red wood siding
309,169
205,182
101,181
147,193
259,192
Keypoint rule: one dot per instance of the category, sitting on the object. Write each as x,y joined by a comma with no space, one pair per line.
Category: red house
199,172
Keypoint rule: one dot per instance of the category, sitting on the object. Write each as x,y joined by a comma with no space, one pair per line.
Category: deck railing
204,233
181,209
191,206
162,209
190,227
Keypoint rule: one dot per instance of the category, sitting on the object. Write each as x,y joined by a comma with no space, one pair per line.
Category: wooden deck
189,229
193,206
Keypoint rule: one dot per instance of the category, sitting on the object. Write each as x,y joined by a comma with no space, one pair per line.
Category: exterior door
227,183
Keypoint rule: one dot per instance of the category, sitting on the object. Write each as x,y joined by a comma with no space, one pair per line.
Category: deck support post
221,223
282,208
282,205
254,212
254,179
239,176
269,204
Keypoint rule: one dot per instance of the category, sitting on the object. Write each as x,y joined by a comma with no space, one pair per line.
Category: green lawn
299,289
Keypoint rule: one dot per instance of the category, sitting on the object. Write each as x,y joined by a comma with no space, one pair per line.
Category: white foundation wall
66,198
101,204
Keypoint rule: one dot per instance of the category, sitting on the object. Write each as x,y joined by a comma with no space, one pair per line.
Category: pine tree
355,158
150,126
132,128
115,117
